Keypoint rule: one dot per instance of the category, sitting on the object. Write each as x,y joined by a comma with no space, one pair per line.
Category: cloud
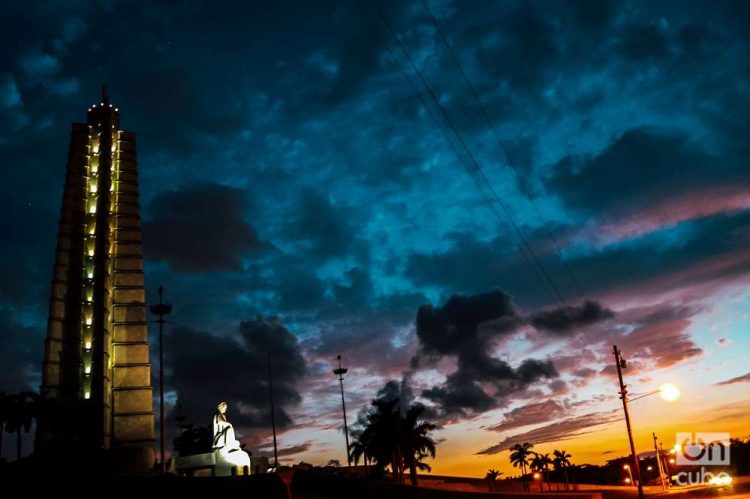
745,378
204,369
563,319
322,227
661,214
454,326
613,180
12,115
289,451
480,380
641,42
555,432
538,412
10,97
38,64
200,228
655,336
525,53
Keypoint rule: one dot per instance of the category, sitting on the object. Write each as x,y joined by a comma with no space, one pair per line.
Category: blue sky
302,190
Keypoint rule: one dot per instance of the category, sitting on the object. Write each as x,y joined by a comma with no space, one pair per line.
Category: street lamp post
621,363
658,464
273,415
161,310
626,467
340,371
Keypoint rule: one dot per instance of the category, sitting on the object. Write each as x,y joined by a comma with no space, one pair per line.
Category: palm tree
392,439
547,462
492,474
540,463
380,437
562,462
519,457
416,441
357,450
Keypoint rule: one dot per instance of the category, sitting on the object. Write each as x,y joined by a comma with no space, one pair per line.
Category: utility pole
340,373
658,462
161,310
273,415
621,363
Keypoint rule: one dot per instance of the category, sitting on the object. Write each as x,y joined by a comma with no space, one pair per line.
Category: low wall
332,486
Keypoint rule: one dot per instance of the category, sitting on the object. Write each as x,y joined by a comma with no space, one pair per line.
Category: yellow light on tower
87,345
669,392
87,369
87,395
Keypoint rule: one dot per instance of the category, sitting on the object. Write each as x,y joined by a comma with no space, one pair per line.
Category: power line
508,158
477,174
451,142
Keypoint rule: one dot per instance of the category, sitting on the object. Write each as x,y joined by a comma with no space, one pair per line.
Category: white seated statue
227,448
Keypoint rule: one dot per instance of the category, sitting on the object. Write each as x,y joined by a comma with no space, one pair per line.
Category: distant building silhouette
96,371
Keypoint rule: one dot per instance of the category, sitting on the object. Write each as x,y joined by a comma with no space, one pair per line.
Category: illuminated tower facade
96,372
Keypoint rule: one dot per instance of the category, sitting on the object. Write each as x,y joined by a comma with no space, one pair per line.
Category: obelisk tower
96,368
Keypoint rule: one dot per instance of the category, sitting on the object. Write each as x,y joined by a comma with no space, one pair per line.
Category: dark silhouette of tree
561,462
358,449
22,411
416,441
520,456
492,474
541,463
4,414
390,438
193,440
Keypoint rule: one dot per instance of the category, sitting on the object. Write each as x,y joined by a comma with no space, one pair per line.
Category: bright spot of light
669,392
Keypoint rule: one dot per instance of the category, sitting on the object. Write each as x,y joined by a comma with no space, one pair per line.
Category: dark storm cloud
642,42
204,369
200,229
471,263
324,228
453,330
448,329
563,319
524,55
614,180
